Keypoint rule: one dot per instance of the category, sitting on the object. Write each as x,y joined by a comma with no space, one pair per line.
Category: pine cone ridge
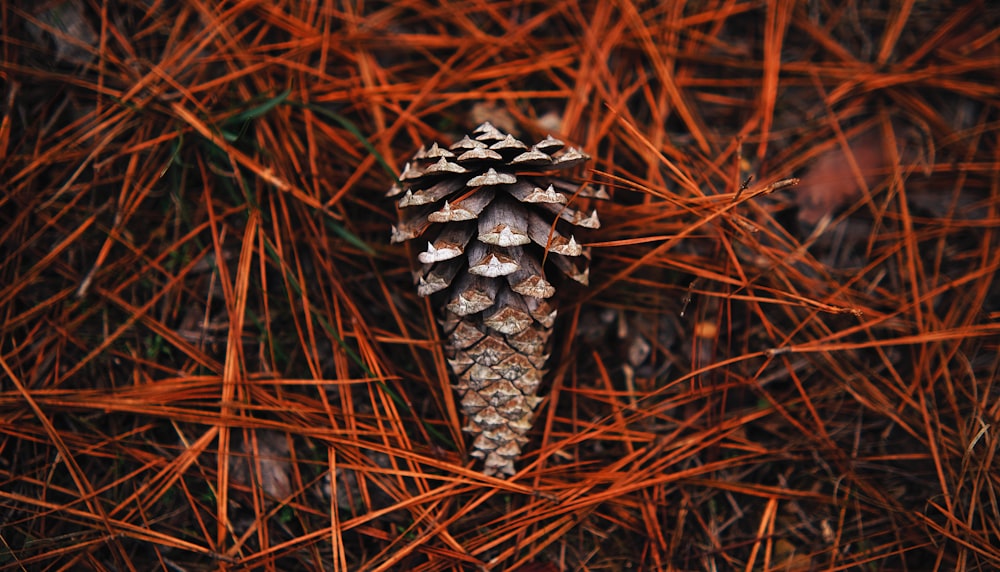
492,210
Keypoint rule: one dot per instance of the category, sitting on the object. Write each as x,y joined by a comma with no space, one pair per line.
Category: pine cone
493,217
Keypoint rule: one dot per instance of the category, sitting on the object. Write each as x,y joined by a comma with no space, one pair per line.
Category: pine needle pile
214,356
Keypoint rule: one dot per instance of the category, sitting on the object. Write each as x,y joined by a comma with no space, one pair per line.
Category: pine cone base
498,380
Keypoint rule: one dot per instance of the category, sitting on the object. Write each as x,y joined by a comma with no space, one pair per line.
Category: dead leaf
830,184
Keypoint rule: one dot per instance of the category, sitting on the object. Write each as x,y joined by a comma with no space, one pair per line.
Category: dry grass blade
213,357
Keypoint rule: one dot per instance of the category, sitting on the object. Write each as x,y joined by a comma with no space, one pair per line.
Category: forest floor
211,356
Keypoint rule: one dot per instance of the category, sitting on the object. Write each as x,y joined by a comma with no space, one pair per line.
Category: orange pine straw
786,358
